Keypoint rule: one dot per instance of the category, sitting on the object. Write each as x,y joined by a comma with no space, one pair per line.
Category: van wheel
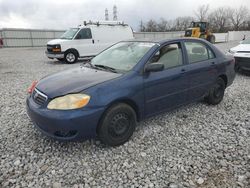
117,125
216,93
70,57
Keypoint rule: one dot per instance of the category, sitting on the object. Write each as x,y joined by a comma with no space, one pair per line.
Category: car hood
57,41
73,81
241,47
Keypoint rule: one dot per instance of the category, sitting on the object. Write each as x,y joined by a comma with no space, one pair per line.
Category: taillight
32,87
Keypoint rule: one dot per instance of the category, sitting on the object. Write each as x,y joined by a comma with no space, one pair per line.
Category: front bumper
64,125
52,55
243,63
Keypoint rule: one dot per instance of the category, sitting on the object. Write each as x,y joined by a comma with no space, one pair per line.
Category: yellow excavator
200,30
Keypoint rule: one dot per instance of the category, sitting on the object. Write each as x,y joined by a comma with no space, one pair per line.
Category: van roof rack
111,23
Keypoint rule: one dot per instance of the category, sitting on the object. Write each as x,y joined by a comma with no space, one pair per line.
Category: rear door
201,70
168,88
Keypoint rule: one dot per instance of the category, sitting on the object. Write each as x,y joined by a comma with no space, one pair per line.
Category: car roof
162,41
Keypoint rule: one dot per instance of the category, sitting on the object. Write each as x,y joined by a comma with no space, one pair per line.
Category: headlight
56,48
69,102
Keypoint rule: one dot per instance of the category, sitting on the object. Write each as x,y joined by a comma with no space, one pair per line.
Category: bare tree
163,25
238,17
151,26
202,13
182,23
219,19
142,26
247,23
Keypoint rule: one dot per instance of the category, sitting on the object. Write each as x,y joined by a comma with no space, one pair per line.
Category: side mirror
154,67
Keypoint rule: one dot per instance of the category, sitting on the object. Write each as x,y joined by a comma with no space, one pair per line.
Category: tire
211,39
216,93
237,67
117,125
60,59
70,57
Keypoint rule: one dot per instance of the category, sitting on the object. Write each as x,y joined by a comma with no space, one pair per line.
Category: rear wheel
216,93
117,125
70,57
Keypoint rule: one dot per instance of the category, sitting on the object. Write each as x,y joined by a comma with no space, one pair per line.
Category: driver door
83,42
168,88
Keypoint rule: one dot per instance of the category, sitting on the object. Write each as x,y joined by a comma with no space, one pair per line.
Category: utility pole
106,14
114,12
141,26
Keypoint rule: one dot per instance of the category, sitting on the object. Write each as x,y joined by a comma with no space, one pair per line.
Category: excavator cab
200,30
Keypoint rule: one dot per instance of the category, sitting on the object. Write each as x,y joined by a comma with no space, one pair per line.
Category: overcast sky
61,14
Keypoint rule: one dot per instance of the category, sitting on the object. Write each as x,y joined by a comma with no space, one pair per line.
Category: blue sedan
127,83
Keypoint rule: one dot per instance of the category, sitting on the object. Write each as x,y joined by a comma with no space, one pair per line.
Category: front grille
188,33
39,97
243,51
242,59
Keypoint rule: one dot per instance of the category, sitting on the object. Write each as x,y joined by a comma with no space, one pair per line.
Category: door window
197,52
84,34
170,56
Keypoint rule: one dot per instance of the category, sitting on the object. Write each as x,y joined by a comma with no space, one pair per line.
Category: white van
87,40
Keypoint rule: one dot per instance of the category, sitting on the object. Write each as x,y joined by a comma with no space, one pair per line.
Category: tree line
222,19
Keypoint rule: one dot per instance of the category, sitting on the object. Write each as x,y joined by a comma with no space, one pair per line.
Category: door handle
213,63
93,41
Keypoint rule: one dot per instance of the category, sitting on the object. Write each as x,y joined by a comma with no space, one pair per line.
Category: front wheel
117,125
211,39
70,57
216,93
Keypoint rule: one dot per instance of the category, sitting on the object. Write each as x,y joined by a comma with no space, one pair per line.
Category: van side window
170,56
84,34
197,52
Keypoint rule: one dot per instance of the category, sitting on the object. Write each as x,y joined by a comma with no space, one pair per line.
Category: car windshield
122,56
69,34
247,41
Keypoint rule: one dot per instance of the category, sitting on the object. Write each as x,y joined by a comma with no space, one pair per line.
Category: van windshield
123,56
69,34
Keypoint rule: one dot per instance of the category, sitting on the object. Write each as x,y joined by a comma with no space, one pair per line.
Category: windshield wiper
106,68
90,64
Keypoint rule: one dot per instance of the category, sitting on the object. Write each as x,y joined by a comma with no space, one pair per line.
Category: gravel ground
194,146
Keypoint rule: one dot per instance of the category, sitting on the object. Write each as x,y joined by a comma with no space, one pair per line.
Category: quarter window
84,34
197,52
169,55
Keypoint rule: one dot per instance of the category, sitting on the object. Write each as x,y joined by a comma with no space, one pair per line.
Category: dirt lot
194,146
